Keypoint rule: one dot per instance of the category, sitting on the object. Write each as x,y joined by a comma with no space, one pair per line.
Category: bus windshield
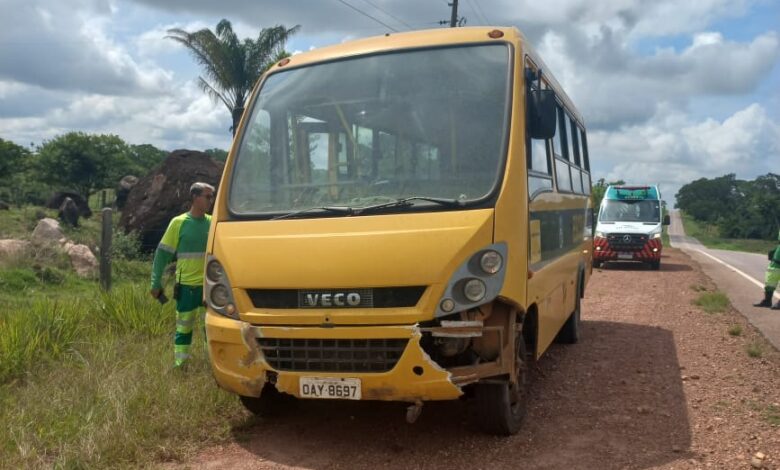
358,132
630,211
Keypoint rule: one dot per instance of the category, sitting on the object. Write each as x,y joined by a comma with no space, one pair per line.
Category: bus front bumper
240,366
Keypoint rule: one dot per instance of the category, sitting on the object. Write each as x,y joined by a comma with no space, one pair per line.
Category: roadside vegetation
732,214
709,236
85,375
712,302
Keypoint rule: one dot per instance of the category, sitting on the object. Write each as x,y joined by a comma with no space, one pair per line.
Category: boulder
83,261
69,213
47,231
165,193
10,248
55,201
123,190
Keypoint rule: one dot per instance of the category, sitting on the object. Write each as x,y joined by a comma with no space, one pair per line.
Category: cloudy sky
671,91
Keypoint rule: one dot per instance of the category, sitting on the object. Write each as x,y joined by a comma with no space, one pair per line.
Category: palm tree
232,67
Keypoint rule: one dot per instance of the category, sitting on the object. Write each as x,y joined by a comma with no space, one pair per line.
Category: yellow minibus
401,218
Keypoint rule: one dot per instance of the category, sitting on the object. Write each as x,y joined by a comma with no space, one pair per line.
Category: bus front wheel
500,407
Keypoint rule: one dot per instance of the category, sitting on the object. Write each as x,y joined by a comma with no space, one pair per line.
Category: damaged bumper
388,360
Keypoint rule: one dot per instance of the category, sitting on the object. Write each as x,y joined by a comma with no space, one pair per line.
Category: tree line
738,208
76,161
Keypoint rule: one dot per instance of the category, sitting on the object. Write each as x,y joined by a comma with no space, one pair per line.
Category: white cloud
673,150
64,46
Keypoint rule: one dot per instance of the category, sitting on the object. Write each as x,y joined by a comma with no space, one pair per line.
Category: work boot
767,302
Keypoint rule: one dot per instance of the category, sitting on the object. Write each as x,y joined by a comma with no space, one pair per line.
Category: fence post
105,250
102,198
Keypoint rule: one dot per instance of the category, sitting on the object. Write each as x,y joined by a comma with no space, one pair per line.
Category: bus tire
570,332
271,402
655,265
597,264
499,408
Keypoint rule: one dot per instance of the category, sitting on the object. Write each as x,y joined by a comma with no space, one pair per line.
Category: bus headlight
214,271
491,262
219,295
657,235
217,290
598,234
474,290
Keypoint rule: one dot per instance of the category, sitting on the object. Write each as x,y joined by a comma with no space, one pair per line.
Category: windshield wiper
339,210
407,202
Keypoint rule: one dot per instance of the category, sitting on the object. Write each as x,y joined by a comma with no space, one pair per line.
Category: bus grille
378,297
626,241
332,355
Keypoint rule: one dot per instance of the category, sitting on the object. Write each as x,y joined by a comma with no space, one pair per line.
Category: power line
473,10
366,14
482,12
389,14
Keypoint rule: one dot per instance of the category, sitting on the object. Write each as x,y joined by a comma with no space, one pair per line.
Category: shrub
712,302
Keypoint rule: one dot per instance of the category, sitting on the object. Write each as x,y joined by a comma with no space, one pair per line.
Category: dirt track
654,383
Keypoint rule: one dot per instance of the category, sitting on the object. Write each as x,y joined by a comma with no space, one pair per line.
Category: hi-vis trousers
188,304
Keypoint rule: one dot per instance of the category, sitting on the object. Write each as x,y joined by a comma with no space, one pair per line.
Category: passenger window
575,143
562,175
576,180
584,151
540,161
561,149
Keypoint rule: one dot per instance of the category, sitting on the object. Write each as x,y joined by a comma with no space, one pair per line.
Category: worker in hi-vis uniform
772,278
186,238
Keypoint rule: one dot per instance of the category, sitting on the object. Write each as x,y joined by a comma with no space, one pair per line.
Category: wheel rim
517,390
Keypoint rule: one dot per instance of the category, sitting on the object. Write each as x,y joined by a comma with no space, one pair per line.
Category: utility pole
454,16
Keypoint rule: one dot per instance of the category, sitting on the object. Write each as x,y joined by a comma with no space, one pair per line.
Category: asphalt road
740,275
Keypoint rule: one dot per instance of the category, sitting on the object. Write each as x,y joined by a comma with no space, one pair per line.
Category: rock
55,201
165,193
123,190
9,247
759,455
68,212
4,206
755,462
82,260
47,231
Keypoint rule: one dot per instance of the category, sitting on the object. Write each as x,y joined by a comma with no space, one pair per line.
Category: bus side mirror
666,220
542,115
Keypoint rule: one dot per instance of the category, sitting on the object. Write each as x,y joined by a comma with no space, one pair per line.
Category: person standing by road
185,237
772,278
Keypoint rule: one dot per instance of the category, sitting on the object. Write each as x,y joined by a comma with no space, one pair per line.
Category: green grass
735,330
708,236
755,350
85,375
712,302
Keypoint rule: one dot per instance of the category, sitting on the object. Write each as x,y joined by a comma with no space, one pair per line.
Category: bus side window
584,151
538,159
562,170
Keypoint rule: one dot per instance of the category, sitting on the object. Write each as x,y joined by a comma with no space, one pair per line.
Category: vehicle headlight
600,234
214,271
657,235
220,295
490,262
474,290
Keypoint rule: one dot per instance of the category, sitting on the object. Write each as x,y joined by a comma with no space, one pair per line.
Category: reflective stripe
193,255
180,355
164,247
185,323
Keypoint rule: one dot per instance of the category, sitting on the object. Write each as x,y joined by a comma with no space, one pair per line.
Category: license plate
625,256
326,387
